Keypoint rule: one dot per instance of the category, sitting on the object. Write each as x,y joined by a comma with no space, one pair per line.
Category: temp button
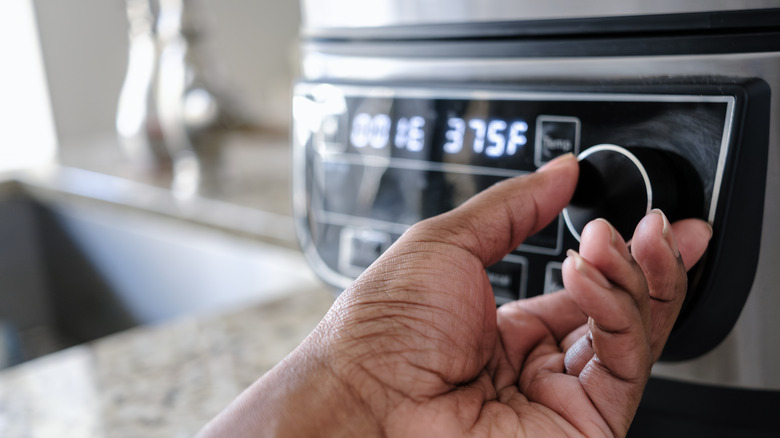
555,136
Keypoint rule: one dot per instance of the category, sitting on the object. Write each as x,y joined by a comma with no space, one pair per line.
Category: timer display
374,131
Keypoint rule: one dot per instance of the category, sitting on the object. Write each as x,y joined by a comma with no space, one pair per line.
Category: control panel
371,160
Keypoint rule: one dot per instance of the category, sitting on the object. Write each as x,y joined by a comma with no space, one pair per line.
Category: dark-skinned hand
416,347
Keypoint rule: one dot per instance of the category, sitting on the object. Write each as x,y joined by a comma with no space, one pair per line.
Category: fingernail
583,268
616,241
558,161
612,231
667,231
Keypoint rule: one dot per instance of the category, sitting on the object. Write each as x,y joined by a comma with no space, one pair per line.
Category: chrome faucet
169,120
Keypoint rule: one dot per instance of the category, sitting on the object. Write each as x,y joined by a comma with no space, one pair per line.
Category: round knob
622,185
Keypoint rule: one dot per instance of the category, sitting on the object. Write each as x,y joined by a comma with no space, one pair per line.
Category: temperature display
502,138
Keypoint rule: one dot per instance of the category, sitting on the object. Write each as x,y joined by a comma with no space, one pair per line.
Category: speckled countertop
170,378
155,381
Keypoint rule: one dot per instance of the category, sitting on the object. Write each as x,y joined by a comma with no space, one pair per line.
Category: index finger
496,221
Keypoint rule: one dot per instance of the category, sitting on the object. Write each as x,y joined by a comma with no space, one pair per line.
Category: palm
453,367
538,399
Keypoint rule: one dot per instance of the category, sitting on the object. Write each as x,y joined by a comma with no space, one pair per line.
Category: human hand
415,347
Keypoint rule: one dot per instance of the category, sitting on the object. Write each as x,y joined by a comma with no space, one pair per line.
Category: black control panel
371,160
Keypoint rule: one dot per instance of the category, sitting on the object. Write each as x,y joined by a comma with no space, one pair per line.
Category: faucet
169,119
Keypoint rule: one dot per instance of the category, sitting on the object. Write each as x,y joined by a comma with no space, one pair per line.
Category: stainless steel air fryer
405,109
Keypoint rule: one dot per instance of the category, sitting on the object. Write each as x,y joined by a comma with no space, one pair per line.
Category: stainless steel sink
74,268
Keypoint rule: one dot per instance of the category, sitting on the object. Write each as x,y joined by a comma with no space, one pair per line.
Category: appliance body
404,114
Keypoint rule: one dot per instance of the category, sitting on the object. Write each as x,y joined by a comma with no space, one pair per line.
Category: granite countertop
166,380
169,378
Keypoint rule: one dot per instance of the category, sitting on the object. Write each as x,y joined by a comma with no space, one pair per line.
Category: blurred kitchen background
243,52
188,212
249,47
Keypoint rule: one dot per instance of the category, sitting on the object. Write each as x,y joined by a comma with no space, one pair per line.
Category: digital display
478,132
493,137
397,156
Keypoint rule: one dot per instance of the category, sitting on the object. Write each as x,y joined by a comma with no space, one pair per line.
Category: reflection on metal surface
324,14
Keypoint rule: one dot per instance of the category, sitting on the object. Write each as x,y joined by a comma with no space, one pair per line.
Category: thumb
497,220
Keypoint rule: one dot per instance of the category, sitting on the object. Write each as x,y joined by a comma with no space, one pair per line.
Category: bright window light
27,134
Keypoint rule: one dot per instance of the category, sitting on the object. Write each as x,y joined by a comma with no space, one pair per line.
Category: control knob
622,185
